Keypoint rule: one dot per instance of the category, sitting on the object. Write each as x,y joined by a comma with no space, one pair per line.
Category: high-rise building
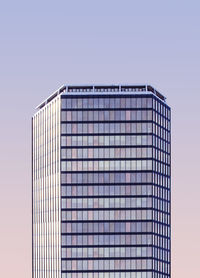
101,185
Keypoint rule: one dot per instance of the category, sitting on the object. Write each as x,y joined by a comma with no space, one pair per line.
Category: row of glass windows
138,202
135,274
111,165
106,240
109,115
161,144
113,215
161,254
107,165
115,102
161,268
161,156
161,168
106,128
161,217
106,215
161,120
107,227
118,140
83,215
114,178
160,204
128,165
115,227
162,241
95,190
110,252
101,178
85,153
105,178
161,180
98,153
106,140
117,115
109,215
161,109
106,264
161,132
112,239
106,252
108,102
95,153
161,229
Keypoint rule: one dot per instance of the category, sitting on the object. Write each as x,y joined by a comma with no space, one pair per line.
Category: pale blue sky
47,43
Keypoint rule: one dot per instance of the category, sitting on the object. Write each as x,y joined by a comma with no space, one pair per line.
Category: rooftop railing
102,88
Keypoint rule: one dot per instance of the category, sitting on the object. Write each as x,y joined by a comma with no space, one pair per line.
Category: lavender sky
45,44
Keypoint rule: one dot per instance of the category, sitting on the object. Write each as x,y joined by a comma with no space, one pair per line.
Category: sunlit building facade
101,183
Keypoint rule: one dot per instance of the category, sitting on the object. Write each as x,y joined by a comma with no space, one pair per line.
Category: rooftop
96,89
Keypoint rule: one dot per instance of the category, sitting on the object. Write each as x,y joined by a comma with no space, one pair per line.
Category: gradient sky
45,44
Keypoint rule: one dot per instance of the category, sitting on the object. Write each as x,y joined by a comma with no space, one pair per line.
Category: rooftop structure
96,89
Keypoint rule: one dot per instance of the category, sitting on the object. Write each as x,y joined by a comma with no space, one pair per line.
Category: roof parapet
101,88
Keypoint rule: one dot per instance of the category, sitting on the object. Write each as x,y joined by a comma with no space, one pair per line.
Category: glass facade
113,185
46,220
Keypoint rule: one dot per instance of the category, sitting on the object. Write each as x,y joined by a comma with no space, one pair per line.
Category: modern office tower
101,183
